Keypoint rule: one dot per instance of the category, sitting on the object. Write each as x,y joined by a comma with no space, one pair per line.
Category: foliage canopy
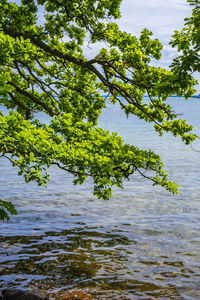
43,68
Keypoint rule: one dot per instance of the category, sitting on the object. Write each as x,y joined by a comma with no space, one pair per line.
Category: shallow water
142,243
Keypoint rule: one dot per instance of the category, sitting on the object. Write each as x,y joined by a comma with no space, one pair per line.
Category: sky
161,17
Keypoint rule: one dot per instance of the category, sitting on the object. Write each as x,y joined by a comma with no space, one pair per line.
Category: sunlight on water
142,243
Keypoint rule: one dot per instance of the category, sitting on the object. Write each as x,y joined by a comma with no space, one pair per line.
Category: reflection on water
143,243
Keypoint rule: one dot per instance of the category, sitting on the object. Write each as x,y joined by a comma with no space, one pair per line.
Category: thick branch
38,42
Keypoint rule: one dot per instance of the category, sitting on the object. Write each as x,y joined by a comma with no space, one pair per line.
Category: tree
44,69
188,42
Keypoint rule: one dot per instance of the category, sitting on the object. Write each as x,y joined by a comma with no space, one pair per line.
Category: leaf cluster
6,207
187,42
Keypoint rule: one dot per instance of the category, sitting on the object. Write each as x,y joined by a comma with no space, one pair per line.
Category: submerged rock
15,294
74,295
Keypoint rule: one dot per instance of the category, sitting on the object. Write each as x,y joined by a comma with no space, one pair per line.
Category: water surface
142,243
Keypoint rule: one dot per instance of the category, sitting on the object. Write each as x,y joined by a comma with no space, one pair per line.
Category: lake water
143,243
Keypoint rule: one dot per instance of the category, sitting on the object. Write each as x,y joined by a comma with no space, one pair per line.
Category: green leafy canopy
43,69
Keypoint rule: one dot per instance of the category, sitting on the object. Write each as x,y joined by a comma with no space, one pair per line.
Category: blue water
144,242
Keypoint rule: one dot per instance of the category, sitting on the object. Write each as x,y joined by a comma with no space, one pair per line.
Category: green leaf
6,208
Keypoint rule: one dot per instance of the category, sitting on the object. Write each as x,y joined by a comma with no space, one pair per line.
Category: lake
142,243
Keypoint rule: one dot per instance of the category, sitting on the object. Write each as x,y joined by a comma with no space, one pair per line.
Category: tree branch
22,105
33,98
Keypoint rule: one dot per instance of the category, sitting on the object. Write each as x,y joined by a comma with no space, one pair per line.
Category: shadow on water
88,259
